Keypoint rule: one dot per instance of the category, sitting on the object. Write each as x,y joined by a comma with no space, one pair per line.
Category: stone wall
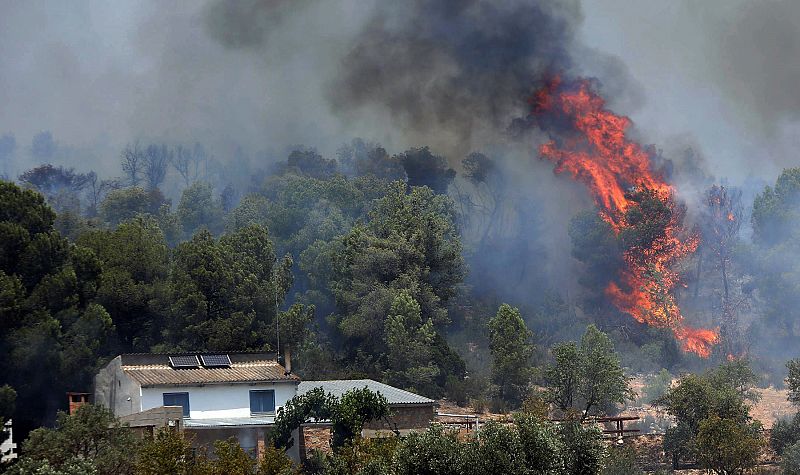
405,418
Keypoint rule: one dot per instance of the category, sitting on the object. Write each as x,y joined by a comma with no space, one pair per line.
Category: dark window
262,402
178,399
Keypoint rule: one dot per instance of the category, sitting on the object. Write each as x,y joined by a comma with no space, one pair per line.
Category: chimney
77,400
287,358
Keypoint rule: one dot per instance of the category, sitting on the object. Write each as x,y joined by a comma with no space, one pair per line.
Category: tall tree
155,160
50,326
722,219
223,294
586,379
49,180
135,261
509,342
310,163
133,158
410,243
776,232
198,208
424,168
409,343
126,203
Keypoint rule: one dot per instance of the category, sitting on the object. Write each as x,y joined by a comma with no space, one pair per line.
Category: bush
727,446
496,449
622,461
433,452
74,466
791,460
540,443
785,432
274,461
657,386
584,450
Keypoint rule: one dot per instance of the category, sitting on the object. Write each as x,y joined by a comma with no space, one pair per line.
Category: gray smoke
457,67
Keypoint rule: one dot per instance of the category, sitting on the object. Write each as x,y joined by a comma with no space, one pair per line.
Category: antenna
277,327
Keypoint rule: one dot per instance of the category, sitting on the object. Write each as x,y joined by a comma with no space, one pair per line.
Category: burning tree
639,205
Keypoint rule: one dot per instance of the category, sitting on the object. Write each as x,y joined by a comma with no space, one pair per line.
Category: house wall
405,418
218,400
113,388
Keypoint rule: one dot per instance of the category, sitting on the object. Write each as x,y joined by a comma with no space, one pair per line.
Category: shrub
433,452
727,446
540,443
622,461
584,450
785,432
791,460
496,449
657,386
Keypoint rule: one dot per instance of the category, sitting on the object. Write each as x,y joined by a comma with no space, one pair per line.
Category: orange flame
600,156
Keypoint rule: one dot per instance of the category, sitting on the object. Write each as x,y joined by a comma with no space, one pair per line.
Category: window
178,399
262,402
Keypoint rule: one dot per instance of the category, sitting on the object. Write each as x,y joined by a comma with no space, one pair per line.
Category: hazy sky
720,74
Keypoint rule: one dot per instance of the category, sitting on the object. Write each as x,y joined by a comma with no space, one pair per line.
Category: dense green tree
541,444
424,168
310,163
199,209
409,344
695,399
411,243
126,203
596,246
584,450
790,462
432,452
51,328
92,433
224,294
776,229
495,449
361,158
727,447
793,381
509,343
230,458
135,262
586,379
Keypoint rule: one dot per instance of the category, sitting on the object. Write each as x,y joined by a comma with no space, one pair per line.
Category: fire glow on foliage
598,154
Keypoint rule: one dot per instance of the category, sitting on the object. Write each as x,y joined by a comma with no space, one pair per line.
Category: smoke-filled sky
720,75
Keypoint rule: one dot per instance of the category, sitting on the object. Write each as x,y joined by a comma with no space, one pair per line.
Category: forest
373,265
542,214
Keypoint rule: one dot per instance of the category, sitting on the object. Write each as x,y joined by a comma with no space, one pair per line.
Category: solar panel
216,361
184,361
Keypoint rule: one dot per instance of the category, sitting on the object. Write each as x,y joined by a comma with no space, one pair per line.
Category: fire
618,174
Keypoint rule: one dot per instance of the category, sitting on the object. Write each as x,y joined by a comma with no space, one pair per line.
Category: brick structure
409,412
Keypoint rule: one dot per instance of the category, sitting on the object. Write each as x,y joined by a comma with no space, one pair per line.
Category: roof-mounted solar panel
184,361
216,361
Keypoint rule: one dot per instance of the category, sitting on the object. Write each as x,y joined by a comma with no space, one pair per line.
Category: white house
219,395
8,448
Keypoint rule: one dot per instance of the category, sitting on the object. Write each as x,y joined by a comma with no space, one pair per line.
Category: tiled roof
253,371
395,396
